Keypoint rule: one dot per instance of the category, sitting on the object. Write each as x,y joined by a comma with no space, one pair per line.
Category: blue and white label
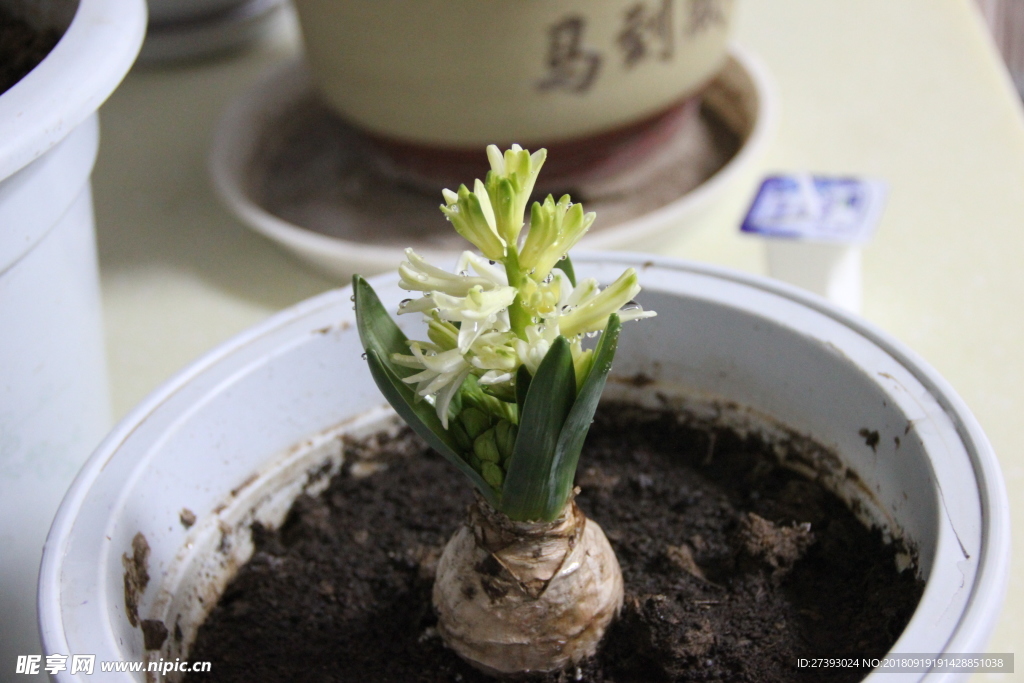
816,208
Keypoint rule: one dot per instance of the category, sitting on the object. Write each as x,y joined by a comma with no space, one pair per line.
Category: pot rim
975,622
75,78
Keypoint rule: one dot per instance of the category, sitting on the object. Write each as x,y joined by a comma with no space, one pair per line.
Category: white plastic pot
53,385
236,436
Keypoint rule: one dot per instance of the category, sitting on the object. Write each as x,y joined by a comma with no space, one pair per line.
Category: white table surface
911,92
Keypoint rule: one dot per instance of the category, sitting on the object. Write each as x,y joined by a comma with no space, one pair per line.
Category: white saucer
293,172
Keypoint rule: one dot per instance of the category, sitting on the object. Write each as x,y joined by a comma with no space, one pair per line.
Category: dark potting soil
734,568
21,48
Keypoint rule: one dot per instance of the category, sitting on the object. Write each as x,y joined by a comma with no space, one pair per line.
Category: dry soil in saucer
734,568
316,172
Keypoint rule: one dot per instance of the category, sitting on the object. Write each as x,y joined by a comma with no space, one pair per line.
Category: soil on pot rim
21,48
734,567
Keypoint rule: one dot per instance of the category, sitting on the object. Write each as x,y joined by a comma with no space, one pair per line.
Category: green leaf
423,420
381,337
565,265
523,379
549,399
377,330
576,426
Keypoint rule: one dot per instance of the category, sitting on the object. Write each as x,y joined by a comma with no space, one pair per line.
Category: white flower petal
444,397
415,274
584,291
494,377
485,202
635,314
496,159
437,384
477,306
468,333
484,268
425,376
421,305
406,361
446,362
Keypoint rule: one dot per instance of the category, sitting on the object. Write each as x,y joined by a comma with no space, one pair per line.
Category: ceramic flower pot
238,435
53,385
434,81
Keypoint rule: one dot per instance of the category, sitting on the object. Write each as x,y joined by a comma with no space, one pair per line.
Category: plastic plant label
816,208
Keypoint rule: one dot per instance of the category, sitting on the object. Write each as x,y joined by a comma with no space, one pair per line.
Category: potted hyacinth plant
505,390
735,527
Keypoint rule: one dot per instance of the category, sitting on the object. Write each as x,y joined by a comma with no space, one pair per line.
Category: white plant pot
236,436
53,385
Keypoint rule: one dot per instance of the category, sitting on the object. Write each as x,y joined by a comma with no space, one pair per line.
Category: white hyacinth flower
470,329
590,308
441,375
477,312
415,274
504,310
486,269
538,340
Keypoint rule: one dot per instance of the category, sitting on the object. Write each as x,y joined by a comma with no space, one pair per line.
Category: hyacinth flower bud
593,314
492,474
442,333
504,201
485,447
472,217
555,228
509,184
474,421
505,436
